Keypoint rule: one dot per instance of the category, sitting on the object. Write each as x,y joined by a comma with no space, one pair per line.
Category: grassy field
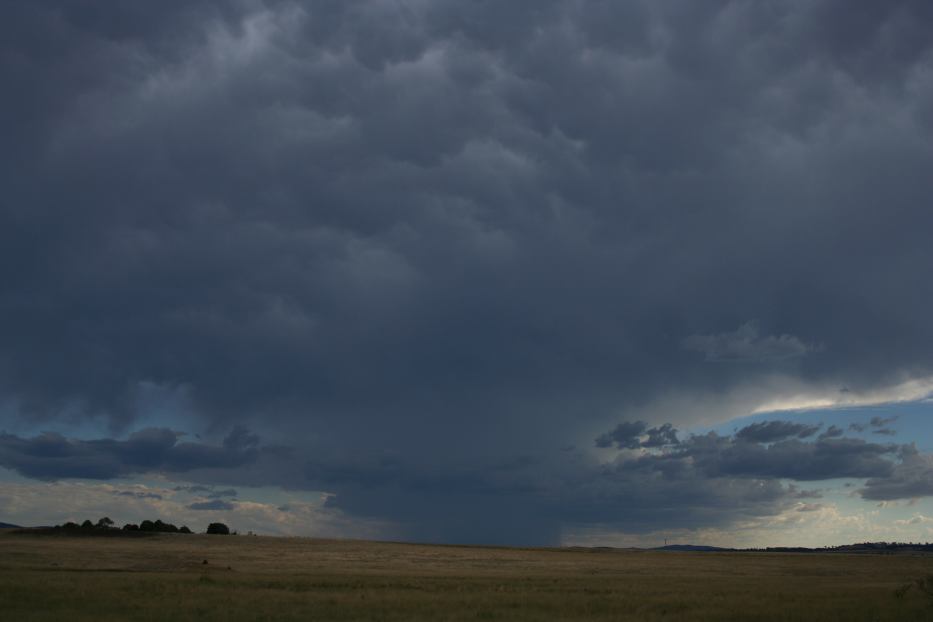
253,578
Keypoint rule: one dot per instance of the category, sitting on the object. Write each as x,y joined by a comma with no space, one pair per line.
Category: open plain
173,577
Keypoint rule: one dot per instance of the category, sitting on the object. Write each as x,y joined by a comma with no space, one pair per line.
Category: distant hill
690,547
9,526
862,547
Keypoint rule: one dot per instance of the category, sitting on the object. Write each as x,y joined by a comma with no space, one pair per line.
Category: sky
533,272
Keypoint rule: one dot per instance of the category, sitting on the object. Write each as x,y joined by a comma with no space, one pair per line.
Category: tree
87,524
105,523
219,529
130,527
184,529
147,525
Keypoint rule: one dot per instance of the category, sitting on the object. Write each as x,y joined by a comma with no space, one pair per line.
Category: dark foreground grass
164,578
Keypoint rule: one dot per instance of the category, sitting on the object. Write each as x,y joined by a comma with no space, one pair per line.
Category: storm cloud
52,456
427,244
768,431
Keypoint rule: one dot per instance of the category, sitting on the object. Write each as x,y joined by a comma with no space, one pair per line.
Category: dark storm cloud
635,434
745,344
911,479
626,435
792,459
52,456
536,502
877,425
415,229
661,436
770,431
772,450
832,432
719,478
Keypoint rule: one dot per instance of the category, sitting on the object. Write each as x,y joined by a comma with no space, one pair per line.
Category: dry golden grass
255,578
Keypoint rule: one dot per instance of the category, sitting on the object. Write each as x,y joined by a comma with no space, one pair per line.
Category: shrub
130,527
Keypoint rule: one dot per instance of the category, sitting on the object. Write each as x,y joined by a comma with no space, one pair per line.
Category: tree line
107,525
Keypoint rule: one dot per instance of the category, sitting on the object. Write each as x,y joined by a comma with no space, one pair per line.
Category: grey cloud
808,494
661,436
770,431
788,456
217,494
793,459
137,494
810,507
528,506
626,435
832,431
910,479
52,456
216,504
193,488
629,435
208,491
747,344
720,478
879,423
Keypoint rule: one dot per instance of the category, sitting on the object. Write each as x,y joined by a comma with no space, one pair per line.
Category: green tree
218,528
